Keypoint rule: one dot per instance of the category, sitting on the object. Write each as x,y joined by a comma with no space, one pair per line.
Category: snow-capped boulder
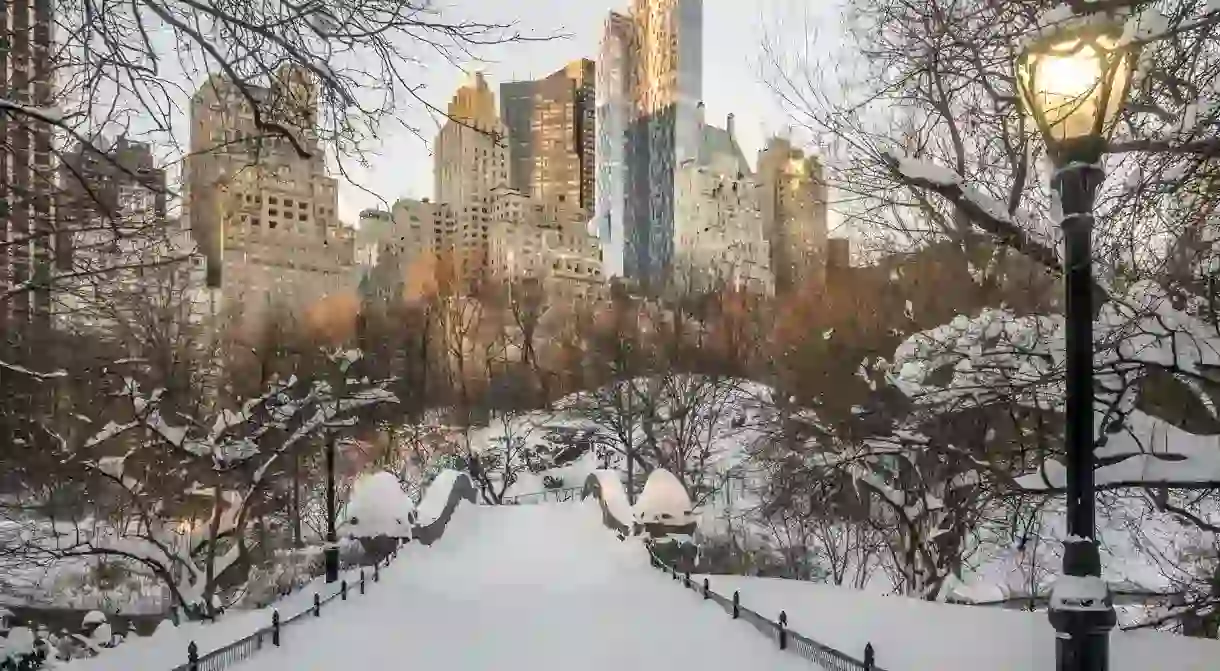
92,619
19,644
103,636
379,507
664,501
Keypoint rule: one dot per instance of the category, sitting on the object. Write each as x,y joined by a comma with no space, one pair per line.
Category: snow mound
664,501
379,507
20,642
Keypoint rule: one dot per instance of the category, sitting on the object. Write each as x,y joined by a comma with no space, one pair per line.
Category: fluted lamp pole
1073,81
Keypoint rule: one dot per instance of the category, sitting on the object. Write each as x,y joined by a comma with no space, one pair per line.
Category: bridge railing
272,635
562,495
777,630
458,489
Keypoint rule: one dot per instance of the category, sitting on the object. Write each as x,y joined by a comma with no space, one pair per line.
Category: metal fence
241,650
545,496
776,630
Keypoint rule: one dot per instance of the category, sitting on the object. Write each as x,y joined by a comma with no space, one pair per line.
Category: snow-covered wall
440,500
608,489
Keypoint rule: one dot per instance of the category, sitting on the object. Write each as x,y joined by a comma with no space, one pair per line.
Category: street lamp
331,553
1073,82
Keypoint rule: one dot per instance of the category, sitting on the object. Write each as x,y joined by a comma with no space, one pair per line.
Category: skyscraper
471,164
654,85
615,74
27,189
551,137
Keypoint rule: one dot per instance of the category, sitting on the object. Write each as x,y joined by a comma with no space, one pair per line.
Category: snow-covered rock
664,501
93,618
20,642
379,507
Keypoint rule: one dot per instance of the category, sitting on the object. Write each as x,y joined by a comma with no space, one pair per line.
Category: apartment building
471,162
794,208
551,138
263,214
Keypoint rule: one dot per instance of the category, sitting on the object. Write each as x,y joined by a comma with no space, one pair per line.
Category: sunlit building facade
654,67
551,135
794,209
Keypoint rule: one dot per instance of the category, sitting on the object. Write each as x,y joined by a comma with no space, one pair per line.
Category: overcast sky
733,32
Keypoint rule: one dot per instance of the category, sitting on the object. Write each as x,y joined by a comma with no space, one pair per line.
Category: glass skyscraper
650,74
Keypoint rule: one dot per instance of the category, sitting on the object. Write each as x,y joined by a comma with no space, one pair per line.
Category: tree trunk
296,501
209,584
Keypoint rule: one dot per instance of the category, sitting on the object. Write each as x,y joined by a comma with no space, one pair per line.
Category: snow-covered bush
182,492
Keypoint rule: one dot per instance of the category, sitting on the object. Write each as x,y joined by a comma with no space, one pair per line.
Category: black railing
563,495
776,630
241,650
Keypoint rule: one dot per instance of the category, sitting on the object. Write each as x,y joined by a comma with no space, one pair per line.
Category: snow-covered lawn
525,588
912,635
166,648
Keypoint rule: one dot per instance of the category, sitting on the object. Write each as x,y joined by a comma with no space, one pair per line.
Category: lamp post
1073,82
331,554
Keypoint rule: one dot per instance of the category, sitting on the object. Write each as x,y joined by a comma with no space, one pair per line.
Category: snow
918,635
664,500
34,374
525,588
437,497
378,507
20,641
614,494
166,649
1000,356
93,617
930,172
108,432
1079,593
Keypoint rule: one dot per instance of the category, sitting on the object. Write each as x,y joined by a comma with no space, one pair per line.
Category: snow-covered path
529,588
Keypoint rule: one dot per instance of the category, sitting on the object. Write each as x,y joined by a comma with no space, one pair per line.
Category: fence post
736,604
869,663
343,590
317,605
706,588
362,580
783,630
192,656
275,628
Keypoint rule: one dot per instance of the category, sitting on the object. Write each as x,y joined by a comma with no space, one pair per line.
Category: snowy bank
913,634
166,647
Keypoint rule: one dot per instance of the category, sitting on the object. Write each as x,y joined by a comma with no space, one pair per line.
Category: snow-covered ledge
446,491
606,487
